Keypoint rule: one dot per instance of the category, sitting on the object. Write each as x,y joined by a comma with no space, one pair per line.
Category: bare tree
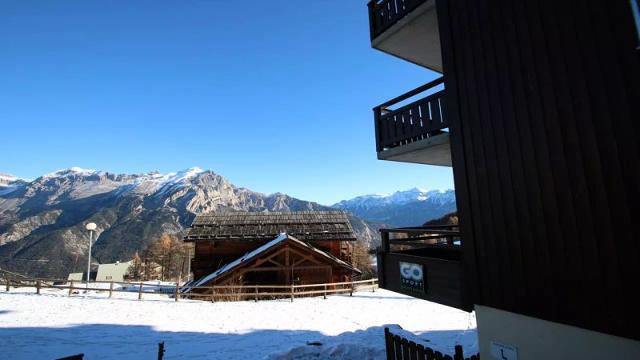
167,254
362,259
136,269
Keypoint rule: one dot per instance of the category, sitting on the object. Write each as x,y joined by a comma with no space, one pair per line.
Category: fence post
161,350
176,293
351,292
213,298
8,283
397,346
256,289
429,352
110,289
71,288
38,286
325,291
373,285
413,349
421,351
405,348
459,355
291,292
388,344
140,291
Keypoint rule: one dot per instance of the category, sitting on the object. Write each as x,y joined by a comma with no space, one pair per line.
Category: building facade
536,110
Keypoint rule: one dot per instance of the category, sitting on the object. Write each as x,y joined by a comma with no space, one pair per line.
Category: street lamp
91,227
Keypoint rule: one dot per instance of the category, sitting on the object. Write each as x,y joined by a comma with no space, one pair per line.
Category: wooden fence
399,348
212,293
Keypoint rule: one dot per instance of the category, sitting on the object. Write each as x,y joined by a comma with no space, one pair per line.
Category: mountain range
402,208
42,221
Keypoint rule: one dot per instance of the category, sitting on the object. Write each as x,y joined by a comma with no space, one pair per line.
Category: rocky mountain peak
42,222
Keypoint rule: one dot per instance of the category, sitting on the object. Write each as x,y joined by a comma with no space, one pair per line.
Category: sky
276,96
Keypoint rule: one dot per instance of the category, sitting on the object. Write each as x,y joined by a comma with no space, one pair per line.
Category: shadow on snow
106,341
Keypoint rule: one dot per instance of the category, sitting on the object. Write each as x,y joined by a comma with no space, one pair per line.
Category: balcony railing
384,13
423,262
433,236
416,121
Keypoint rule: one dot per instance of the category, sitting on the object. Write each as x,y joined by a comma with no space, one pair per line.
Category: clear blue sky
273,95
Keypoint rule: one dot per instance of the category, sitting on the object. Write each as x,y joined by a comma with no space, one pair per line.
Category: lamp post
91,227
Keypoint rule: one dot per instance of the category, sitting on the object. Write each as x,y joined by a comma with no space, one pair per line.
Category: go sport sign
411,277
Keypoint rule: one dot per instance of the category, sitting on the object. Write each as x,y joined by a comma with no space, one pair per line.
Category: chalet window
635,9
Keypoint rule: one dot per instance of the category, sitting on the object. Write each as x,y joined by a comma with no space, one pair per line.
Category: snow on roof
238,261
248,256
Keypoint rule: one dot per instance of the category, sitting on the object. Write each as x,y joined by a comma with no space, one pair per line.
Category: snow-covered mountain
9,183
42,221
402,208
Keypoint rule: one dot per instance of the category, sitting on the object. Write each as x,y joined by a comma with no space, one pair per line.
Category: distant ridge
402,208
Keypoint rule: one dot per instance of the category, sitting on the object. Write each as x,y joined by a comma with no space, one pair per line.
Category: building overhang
414,36
435,150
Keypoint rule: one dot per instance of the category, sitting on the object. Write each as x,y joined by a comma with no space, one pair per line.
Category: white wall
540,339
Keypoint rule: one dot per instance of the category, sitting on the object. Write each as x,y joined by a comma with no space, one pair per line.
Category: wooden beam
286,268
308,257
262,261
304,255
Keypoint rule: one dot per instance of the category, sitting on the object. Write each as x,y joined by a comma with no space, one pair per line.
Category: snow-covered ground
54,325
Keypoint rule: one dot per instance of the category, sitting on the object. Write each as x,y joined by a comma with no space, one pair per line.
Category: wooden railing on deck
416,121
384,13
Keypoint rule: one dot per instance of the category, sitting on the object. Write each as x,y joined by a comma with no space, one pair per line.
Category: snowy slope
54,325
10,183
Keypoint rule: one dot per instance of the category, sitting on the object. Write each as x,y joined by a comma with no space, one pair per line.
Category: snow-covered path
53,325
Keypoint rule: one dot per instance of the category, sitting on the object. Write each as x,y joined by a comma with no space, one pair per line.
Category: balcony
407,29
423,262
416,132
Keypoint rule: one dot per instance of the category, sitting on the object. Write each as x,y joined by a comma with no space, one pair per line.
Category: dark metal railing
424,262
416,121
384,13
434,236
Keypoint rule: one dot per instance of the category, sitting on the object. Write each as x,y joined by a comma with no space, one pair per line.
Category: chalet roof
304,225
246,258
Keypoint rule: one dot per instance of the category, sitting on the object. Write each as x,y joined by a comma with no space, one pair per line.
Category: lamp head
91,226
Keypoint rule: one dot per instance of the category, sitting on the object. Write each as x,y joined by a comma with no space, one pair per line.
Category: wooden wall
210,254
544,102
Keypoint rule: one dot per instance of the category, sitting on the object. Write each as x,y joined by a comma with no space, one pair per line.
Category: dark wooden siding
544,106
442,277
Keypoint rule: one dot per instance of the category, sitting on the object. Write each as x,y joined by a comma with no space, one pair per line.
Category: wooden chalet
274,248
281,261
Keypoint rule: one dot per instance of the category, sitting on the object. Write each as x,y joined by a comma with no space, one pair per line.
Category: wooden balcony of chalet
416,132
407,29
423,262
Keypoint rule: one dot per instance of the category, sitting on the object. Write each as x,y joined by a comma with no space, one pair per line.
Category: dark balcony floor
435,150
